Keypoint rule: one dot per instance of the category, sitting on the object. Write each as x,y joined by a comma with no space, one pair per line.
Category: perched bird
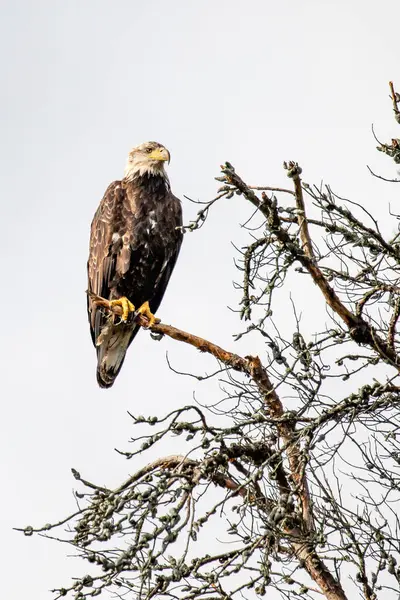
134,243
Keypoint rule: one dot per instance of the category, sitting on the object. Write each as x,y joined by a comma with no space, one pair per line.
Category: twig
395,98
393,323
383,178
271,189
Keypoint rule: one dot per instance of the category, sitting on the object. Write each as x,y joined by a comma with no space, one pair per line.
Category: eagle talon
126,306
146,312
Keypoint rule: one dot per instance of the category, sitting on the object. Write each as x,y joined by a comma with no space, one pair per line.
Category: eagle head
147,158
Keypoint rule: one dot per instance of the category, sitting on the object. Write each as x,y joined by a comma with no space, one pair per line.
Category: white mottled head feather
148,158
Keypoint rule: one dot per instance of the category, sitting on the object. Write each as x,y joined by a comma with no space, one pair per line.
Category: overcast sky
83,81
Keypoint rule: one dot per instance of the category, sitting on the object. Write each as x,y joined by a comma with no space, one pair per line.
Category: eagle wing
103,252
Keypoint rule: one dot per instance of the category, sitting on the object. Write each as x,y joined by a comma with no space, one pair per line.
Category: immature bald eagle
134,243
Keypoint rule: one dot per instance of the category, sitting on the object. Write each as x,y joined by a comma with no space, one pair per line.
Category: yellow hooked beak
160,154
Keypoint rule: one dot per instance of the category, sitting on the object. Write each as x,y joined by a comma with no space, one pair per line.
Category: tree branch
252,366
294,172
360,330
395,98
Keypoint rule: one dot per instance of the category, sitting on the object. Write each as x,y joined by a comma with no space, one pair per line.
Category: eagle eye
149,150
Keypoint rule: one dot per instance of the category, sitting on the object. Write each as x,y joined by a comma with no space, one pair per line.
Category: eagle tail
112,345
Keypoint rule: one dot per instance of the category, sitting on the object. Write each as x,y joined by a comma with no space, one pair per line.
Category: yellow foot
126,306
145,311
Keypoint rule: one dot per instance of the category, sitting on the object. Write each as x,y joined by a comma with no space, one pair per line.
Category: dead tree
296,462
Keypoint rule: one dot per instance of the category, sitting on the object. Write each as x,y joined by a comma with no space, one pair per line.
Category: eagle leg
126,306
146,312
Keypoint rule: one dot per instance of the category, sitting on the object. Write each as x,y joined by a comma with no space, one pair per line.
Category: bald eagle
134,243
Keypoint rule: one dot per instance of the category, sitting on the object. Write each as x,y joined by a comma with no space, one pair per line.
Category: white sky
254,83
